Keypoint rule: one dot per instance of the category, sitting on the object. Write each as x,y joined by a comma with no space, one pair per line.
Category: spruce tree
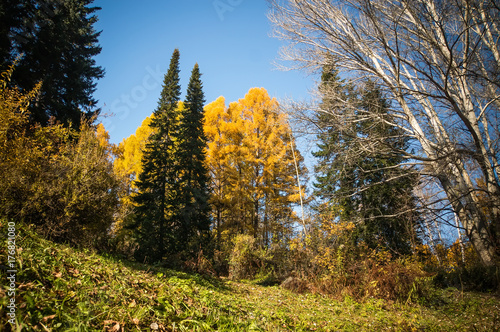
194,213
330,139
369,188
387,206
58,43
157,200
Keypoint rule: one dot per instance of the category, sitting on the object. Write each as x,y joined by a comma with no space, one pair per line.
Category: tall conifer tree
157,199
366,186
194,213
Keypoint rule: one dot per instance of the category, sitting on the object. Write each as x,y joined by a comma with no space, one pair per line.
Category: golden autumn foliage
454,257
54,177
102,136
75,186
129,151
251,163
14,114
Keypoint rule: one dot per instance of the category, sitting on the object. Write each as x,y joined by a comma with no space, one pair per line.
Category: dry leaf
46,318
74,272
58,275
114,328
26,285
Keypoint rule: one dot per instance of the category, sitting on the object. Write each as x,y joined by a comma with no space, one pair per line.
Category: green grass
64,289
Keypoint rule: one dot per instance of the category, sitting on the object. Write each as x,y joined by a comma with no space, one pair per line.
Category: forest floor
59,288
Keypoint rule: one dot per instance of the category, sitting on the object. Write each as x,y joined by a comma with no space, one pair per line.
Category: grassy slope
60,288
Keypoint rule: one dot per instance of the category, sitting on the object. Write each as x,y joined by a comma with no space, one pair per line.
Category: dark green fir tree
157,201
57,43
369,186
194,180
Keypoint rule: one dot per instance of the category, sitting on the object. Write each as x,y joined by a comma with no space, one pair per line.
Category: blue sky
229,39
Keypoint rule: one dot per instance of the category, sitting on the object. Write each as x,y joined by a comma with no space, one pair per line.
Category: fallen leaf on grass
27,285
46,318
157,327
74,272
115,328
112,326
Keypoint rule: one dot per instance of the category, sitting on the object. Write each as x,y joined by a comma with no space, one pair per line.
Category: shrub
295,284
246,258
358,272
54,177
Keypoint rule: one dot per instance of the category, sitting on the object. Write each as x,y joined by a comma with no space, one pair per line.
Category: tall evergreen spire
172,213
156,201
171,92
192,141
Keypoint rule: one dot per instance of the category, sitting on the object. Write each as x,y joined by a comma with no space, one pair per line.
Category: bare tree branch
439,63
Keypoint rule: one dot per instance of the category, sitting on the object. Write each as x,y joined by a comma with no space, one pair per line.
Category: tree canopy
56,42
252,159
372,190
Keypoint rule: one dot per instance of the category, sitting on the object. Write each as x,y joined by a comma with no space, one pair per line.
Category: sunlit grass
64,289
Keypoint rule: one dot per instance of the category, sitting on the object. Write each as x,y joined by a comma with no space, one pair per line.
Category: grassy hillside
63,289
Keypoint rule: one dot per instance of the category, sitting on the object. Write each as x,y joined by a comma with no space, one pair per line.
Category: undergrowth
64,289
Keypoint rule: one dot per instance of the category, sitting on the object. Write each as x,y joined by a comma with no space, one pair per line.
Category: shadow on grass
163,272
31,238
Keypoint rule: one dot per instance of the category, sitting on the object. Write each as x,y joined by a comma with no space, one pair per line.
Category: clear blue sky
229,39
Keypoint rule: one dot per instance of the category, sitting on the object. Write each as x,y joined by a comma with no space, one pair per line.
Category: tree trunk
219,216
255,219
473,221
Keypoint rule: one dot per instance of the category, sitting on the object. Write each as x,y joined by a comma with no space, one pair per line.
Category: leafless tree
439,63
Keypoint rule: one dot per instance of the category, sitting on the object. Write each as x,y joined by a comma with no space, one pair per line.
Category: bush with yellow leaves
57,178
